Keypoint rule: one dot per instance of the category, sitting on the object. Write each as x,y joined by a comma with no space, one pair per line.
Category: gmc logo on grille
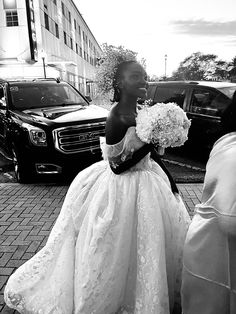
87,136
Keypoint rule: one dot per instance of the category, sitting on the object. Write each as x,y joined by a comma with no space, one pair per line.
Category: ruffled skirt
116,247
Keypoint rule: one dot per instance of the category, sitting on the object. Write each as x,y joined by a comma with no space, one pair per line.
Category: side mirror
89,99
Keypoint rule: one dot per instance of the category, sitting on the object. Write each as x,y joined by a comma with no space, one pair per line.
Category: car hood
67,114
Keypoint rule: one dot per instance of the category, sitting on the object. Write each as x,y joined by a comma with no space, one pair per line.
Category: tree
153,78
233,62
221,70
200,66
232,70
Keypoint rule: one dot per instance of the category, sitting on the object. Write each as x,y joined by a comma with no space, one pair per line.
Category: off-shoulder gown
116,246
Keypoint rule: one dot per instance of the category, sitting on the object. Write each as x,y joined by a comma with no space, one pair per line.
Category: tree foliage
232,67
200,66
233,62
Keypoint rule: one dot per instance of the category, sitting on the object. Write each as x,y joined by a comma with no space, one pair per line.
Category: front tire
21,168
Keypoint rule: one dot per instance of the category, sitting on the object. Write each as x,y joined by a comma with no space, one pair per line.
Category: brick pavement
27,213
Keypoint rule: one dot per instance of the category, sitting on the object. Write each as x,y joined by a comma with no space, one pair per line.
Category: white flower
165,125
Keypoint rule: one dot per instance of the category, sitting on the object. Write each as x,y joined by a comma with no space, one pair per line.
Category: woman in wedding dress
116,246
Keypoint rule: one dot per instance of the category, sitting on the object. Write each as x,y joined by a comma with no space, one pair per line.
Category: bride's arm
155,156
119,166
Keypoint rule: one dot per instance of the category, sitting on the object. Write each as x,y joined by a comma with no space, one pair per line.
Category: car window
208,102
151,91
25,96
170,94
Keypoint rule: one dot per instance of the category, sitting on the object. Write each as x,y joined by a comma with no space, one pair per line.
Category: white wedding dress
116,246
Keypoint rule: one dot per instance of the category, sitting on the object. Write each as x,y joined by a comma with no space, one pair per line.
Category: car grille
80,138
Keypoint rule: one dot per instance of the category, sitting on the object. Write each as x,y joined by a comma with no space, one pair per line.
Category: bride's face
134,80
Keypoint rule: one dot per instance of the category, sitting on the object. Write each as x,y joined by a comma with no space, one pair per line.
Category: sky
155,28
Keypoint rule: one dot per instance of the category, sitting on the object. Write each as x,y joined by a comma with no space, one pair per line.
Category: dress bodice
124,149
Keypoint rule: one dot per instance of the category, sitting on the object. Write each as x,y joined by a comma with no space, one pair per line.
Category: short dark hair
228,118
121,67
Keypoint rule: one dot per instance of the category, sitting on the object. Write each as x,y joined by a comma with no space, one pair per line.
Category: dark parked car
203,101
48,127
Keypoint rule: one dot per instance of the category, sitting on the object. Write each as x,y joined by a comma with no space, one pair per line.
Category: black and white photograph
117,157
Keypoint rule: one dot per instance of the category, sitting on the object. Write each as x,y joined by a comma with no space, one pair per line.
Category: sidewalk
27,214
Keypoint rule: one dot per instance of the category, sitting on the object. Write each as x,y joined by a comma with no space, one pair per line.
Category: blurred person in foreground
209,270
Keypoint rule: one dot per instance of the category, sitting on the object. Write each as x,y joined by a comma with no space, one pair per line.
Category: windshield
43,95
228,91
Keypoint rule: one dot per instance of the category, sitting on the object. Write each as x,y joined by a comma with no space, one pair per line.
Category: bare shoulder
116,127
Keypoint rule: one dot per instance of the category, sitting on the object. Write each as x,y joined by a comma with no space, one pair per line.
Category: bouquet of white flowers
164,125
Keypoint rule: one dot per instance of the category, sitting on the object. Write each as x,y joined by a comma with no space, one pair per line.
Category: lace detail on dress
151,297
124,149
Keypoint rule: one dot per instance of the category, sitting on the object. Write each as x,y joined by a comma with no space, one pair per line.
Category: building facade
47,38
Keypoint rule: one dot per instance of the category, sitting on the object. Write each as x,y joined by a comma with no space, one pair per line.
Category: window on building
71,43
80,52
32,16
65,41
63,8
79,31
46,20
84,55
69,16
9,5
74,23
57,30
76,48
12,18
45,4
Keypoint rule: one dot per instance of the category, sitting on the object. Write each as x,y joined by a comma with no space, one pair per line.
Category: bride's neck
128,106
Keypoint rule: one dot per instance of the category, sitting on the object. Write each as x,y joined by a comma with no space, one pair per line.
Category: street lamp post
165,65
44,68
43,56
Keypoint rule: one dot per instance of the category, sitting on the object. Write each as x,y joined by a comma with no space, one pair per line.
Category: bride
116,246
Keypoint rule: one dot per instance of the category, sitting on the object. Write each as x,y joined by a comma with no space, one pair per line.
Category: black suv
48,127
203,101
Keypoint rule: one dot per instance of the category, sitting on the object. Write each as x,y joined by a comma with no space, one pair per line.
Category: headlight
37,136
